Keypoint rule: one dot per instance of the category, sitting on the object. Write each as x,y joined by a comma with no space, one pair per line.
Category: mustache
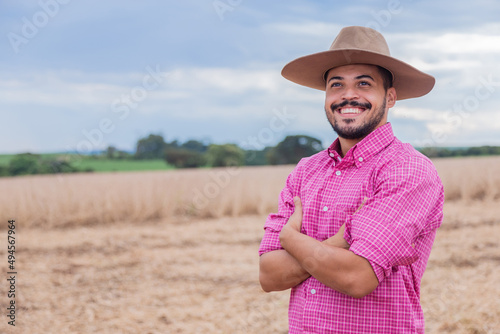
334,106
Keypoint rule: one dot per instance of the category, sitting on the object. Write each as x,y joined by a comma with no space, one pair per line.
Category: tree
4,170
28,163
56,165
122,155
24,164
195,145
292,149
256,157
225,155
184,158
111,152
187,155
151,147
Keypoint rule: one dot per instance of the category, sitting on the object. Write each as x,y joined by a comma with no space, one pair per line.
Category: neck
347,144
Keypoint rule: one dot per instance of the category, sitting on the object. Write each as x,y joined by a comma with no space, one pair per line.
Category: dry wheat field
176,252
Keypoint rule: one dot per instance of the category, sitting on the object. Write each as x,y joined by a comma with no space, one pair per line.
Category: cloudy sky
82,75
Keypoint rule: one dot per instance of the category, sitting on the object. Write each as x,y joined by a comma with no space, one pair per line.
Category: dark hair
386,77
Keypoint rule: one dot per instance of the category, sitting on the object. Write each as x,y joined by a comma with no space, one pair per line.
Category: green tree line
28,163
194,154
443,152
190,154
198,154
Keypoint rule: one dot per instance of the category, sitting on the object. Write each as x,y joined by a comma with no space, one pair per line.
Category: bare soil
201,276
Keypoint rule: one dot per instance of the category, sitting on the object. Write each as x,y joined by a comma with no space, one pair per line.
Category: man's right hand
338,239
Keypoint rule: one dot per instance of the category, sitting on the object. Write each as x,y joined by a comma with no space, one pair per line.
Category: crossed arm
330,262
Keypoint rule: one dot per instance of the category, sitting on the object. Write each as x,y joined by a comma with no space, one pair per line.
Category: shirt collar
365,149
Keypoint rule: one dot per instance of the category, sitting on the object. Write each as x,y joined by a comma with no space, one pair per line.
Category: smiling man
357,221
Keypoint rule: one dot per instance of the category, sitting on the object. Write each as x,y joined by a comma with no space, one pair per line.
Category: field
100,164
114,165
176,251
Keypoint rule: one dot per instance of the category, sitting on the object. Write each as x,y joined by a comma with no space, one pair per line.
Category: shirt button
332,155
360,159
325,208
338,172
313,291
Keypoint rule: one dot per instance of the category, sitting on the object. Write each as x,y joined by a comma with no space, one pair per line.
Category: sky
84,75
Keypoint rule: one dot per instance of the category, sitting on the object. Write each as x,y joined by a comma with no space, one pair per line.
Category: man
357,221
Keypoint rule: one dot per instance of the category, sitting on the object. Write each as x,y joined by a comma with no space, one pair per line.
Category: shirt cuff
378,258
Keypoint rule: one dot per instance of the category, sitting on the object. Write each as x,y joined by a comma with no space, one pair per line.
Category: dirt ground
201,276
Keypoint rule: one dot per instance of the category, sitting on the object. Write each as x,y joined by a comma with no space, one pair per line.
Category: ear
391,97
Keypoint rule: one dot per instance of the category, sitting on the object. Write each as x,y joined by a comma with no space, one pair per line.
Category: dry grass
91,199
460,290
140,253
470,179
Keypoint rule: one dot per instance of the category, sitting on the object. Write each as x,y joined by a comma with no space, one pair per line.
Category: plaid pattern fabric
394,230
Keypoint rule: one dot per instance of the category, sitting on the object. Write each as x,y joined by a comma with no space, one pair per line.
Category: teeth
350,111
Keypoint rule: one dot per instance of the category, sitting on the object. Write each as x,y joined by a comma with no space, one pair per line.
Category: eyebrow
335,78
362,76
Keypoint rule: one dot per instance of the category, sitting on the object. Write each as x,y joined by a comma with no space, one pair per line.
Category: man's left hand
294,223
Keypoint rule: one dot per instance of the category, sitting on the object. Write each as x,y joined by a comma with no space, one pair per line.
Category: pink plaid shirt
394,230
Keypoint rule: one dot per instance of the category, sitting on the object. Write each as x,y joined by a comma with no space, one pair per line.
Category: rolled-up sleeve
407,204
276,221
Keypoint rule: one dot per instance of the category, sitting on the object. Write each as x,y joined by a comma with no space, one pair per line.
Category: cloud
57,92
223,77
445,44
460,43
418,114
449,127
227,80
315,29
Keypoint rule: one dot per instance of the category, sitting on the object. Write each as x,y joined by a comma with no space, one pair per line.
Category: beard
360,131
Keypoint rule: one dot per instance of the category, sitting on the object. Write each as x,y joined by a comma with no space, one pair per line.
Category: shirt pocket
333,218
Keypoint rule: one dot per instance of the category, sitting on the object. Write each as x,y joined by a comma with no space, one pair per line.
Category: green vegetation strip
107,165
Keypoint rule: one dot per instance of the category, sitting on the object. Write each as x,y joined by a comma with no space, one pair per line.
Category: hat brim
310,70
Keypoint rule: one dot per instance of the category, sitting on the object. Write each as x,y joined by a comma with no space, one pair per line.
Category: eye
364,83
336,84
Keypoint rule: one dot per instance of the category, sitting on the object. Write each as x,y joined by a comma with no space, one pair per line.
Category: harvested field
146,253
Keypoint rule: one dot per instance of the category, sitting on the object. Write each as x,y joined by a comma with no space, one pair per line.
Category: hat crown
360,38
358,45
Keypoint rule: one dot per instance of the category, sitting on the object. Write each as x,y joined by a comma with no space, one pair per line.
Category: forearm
337,268
279,271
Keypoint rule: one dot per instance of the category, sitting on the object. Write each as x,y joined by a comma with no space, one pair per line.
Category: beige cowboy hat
358,45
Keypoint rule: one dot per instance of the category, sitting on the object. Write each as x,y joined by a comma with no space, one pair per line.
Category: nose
350,93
